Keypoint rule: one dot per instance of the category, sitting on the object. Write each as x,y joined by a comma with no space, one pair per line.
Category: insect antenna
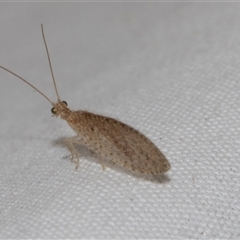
27,83
50,64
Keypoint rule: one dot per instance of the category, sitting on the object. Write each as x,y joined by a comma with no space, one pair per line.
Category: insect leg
101,162
68,142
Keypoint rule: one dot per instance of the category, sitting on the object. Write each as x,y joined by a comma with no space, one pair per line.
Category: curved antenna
50,65
27,83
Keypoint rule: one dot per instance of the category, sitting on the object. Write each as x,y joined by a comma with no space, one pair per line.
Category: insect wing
129,148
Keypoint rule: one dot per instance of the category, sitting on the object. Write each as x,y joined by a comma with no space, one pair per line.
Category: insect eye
64,103
53,111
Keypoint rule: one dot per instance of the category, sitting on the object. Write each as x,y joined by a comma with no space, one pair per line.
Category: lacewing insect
109,138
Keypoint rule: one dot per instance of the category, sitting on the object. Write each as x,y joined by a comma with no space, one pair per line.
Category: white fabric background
171,70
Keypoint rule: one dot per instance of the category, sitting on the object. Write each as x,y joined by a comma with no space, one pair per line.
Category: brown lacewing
109,138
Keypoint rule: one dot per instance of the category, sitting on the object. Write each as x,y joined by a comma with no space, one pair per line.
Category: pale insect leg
101,162
68,142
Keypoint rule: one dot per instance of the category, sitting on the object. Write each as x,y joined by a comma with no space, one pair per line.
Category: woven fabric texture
170,70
